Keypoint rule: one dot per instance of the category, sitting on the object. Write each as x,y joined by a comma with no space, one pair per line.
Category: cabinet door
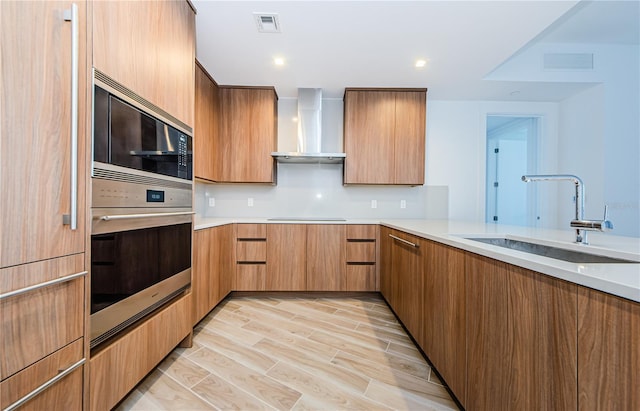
149,47
286,257
247,135
223,259
369,127
386,268
35,148
201,279
326,257
444,334
608,352
409,141
407,261
205,131
521,338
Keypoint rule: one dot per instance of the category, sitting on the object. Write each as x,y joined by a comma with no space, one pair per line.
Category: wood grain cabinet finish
384,136
361,258
213,268
206,124
326,260
251,257
247,135
35,148
521,338
286,257
608,352
149,47
444,333
63,395
116,368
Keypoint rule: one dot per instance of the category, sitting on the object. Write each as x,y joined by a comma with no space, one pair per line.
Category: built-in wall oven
141,209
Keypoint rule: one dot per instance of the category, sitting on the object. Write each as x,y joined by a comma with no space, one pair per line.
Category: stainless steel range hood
309,143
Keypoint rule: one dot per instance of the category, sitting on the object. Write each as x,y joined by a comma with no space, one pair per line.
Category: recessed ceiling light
421,63
278,61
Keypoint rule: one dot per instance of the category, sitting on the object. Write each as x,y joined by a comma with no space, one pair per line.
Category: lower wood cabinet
251,257
361,258
608,352
62,395
521,338
118,367
286,257
326,257
213,268
444,332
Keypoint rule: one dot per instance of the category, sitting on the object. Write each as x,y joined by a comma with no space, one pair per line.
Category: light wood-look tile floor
294,354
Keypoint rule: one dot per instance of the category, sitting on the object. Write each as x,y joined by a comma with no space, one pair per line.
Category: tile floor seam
187,388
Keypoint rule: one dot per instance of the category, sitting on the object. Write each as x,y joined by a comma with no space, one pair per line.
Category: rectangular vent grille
267,22
141,101
568,61
136,179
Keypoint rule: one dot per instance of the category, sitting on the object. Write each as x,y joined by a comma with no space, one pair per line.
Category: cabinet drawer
251,251
118,367
361,252
251,277
36,323
65,394
361,277
361,232
251,231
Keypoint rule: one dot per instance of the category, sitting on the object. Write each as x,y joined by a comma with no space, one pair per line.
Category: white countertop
616,278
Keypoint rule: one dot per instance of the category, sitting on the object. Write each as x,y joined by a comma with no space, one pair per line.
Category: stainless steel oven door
140,259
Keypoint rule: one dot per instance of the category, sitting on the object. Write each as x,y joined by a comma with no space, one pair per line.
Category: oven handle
148,215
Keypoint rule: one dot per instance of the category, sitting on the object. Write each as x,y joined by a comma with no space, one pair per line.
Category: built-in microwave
124,135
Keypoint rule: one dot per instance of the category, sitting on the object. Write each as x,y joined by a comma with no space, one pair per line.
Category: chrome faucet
579,223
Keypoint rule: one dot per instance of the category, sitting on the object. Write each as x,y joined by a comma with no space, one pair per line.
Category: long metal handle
404,241
44,386
148,215
42,285
72,15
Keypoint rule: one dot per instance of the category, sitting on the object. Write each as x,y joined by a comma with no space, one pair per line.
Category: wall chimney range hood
309,142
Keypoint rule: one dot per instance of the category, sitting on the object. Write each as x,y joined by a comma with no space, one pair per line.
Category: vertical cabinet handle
72,16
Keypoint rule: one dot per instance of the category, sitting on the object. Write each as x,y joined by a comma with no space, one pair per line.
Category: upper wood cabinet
35,148
149,47
384,136
608,352
247,135
205,130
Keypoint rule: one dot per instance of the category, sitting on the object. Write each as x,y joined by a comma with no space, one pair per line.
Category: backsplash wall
316,190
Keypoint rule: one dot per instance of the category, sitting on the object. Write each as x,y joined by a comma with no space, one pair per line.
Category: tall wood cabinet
206,124
149,47
521,338
247,135
384,136
213,268
608,352
42,328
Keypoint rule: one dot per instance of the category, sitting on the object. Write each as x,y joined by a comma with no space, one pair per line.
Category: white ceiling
338,44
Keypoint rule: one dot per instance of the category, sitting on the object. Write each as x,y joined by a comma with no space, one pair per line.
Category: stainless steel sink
552,252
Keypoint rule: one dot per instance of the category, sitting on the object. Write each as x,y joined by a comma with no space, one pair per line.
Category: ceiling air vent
267,22
568,61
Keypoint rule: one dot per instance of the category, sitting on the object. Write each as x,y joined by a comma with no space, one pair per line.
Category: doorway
511,153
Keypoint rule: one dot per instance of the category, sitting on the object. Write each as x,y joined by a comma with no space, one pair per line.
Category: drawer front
251,251
251,231
36,323
121,365
361,277
361,252
361,231
251,277
63,395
